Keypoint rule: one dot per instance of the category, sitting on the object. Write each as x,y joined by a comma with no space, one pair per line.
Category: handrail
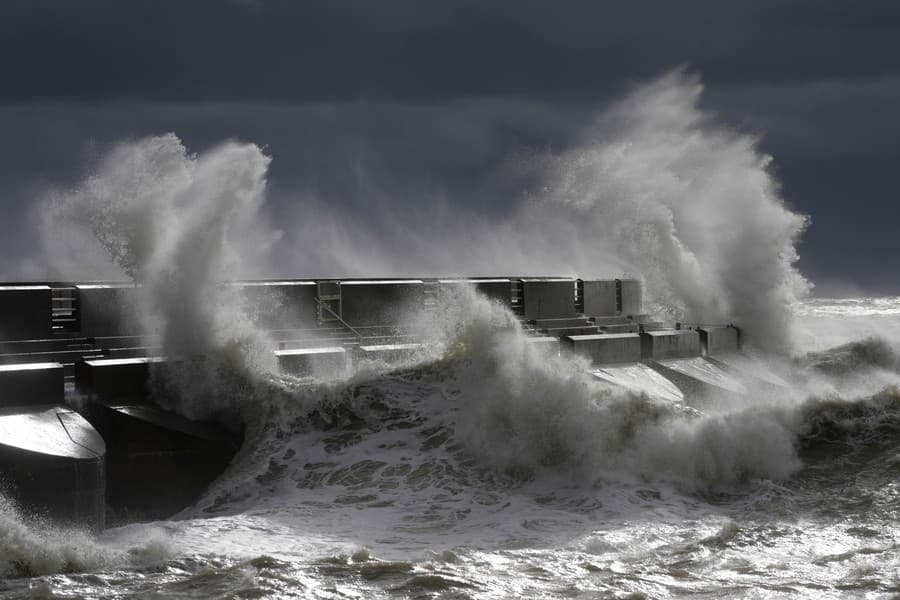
338,317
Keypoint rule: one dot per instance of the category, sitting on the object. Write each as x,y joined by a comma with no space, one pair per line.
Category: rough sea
484,469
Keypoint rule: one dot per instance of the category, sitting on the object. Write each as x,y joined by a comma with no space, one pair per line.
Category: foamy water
448,478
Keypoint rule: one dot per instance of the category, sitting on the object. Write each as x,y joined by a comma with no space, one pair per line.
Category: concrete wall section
25,312
31,384
280,304
548,298
115,379
680,343
604,349
600,298
632,296
386,302
107,309
719,340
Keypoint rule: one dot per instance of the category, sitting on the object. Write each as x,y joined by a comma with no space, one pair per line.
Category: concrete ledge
719,340
672,343
32,384
622,328
606,321
606,348
324,361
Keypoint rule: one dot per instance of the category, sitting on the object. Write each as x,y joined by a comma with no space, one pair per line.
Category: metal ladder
64,311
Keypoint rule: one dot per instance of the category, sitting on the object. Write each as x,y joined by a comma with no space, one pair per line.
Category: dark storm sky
434,95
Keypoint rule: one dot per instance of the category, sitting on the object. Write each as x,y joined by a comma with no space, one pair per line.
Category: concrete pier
107,310
700,379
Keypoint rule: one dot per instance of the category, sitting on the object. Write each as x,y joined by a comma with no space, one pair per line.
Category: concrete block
699,378
32,384
670,343
52,462
606,348
632,297
548,298
158,462
719,340
115,379
600,297
276,305
25,312
384,302
327,361
107,310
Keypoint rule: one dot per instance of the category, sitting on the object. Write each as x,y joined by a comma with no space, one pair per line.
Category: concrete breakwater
82,438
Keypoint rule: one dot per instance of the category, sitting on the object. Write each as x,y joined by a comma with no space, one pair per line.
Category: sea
484,468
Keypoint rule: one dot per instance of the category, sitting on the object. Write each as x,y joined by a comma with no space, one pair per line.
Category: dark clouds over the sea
406,99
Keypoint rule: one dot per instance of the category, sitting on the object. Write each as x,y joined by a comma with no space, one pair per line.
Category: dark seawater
493,472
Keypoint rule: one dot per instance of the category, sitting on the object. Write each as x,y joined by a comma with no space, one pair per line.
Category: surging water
483,468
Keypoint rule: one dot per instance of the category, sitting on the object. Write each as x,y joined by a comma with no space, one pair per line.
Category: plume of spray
181,225
654,187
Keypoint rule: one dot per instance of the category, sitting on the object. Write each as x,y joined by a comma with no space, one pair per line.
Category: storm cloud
379,108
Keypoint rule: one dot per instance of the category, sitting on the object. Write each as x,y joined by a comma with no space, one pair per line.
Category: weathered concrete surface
25,312
548,298
671,343
606,348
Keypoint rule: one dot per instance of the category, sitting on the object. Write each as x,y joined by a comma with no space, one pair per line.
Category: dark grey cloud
407,101
336,50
